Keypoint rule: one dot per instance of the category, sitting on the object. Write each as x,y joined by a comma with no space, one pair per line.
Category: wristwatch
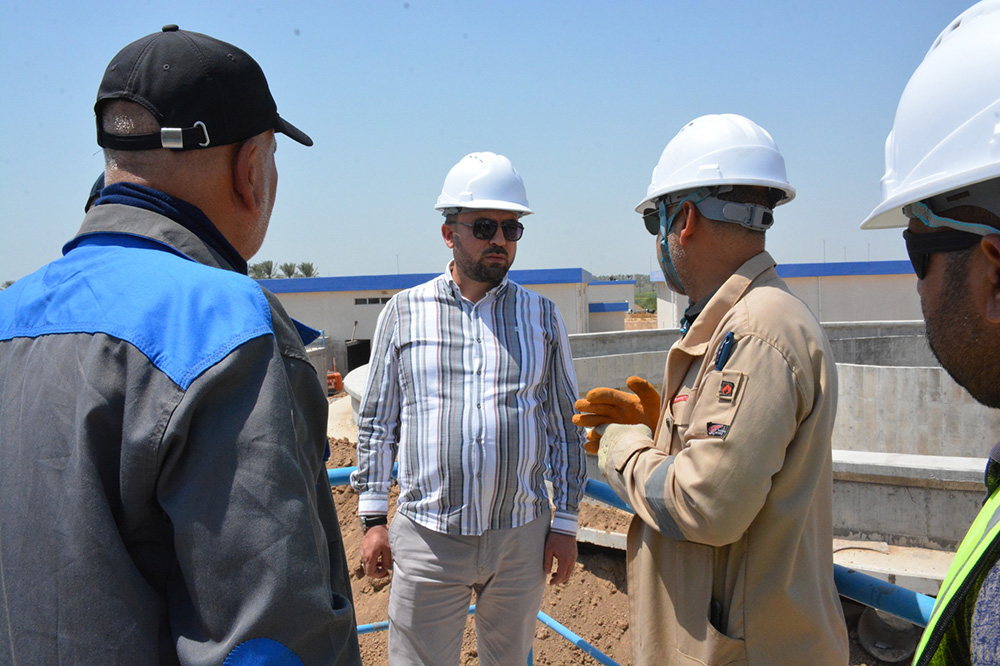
368,522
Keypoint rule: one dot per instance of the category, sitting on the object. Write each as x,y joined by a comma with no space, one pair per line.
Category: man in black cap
163,496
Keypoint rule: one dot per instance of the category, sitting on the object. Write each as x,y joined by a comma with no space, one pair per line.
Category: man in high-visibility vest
942,182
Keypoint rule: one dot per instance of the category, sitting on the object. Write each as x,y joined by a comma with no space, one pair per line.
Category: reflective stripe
982,539
655,492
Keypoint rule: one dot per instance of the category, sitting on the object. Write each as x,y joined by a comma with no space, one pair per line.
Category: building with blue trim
847,291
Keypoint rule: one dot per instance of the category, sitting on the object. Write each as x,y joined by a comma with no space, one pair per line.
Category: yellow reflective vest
978,551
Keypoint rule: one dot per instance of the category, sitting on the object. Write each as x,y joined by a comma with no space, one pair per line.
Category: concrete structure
838,291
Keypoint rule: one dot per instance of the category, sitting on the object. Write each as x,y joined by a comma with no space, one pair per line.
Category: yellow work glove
606,405
610,434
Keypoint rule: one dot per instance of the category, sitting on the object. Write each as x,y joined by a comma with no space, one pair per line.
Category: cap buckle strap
173,137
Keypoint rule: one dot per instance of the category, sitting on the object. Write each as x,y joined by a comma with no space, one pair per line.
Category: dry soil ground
593,604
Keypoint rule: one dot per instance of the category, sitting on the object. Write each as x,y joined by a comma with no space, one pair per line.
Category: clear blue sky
582,96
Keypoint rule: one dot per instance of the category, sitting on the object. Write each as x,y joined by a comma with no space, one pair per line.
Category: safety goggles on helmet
484,228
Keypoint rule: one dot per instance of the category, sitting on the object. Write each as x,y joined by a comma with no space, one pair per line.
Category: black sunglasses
651,218
920,247
485,228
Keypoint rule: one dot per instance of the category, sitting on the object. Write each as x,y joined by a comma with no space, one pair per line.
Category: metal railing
868,590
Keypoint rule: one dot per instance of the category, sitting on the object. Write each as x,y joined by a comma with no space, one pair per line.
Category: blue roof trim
845,269
831,269
609,307
407,280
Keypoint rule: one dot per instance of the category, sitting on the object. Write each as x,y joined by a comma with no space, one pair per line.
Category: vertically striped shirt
476,399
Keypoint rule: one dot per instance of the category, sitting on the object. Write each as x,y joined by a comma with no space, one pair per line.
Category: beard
674,265
959,337
490,268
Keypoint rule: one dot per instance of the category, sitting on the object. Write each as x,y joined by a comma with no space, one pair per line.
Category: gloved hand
609,434
606,405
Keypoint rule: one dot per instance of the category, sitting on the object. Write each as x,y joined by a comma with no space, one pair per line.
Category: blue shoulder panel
261,652
184,316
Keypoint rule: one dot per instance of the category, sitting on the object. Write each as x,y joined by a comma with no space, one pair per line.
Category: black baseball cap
202,91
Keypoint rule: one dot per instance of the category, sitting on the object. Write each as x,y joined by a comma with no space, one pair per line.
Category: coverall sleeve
260,569
378,419
566,457
740,423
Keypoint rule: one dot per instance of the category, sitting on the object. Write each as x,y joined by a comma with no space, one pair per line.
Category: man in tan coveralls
730,553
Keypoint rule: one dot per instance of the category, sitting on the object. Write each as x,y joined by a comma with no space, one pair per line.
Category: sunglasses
485,228
920,247
651,218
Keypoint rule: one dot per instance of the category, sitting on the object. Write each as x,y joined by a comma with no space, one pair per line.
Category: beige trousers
434,576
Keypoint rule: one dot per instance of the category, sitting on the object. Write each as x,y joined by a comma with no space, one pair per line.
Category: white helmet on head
946,134
483,181
714,150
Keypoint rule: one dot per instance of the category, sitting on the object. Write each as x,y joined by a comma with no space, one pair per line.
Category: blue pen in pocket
725,351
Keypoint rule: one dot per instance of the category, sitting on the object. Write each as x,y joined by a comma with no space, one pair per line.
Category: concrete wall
859,297
603,322
910,410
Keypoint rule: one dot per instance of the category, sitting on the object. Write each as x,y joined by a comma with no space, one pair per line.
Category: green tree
5,284
262,270
287,269
307,269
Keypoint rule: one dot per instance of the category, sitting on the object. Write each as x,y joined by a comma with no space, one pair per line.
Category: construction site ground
592,604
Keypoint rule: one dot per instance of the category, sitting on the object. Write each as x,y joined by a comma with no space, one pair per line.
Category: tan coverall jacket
730,553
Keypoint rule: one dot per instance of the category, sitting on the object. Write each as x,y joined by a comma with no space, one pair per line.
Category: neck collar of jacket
187,215
993,470
723,300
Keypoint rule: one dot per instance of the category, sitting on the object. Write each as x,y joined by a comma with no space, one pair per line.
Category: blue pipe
868,590
341,476
576,640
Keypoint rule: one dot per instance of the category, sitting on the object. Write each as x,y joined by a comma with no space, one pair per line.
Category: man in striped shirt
471,385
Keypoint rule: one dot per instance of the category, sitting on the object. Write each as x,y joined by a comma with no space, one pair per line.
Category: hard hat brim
487,204
889,213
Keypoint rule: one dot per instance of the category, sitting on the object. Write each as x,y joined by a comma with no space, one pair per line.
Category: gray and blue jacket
163,497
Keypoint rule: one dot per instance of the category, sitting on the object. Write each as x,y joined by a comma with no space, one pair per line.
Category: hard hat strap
666,223
751,216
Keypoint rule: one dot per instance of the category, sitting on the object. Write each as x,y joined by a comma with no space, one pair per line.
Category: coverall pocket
697,638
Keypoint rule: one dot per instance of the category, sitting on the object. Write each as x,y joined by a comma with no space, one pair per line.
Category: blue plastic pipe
576,640
868,590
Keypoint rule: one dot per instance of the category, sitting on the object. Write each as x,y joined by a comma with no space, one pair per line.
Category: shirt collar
724,298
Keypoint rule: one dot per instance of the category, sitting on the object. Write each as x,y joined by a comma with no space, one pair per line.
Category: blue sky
582,96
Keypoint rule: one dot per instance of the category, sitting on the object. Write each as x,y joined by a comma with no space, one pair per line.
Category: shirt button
479,372
479,406
479,339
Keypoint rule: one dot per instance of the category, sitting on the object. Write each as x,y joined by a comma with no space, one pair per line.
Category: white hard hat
481,181
946,134
713,150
